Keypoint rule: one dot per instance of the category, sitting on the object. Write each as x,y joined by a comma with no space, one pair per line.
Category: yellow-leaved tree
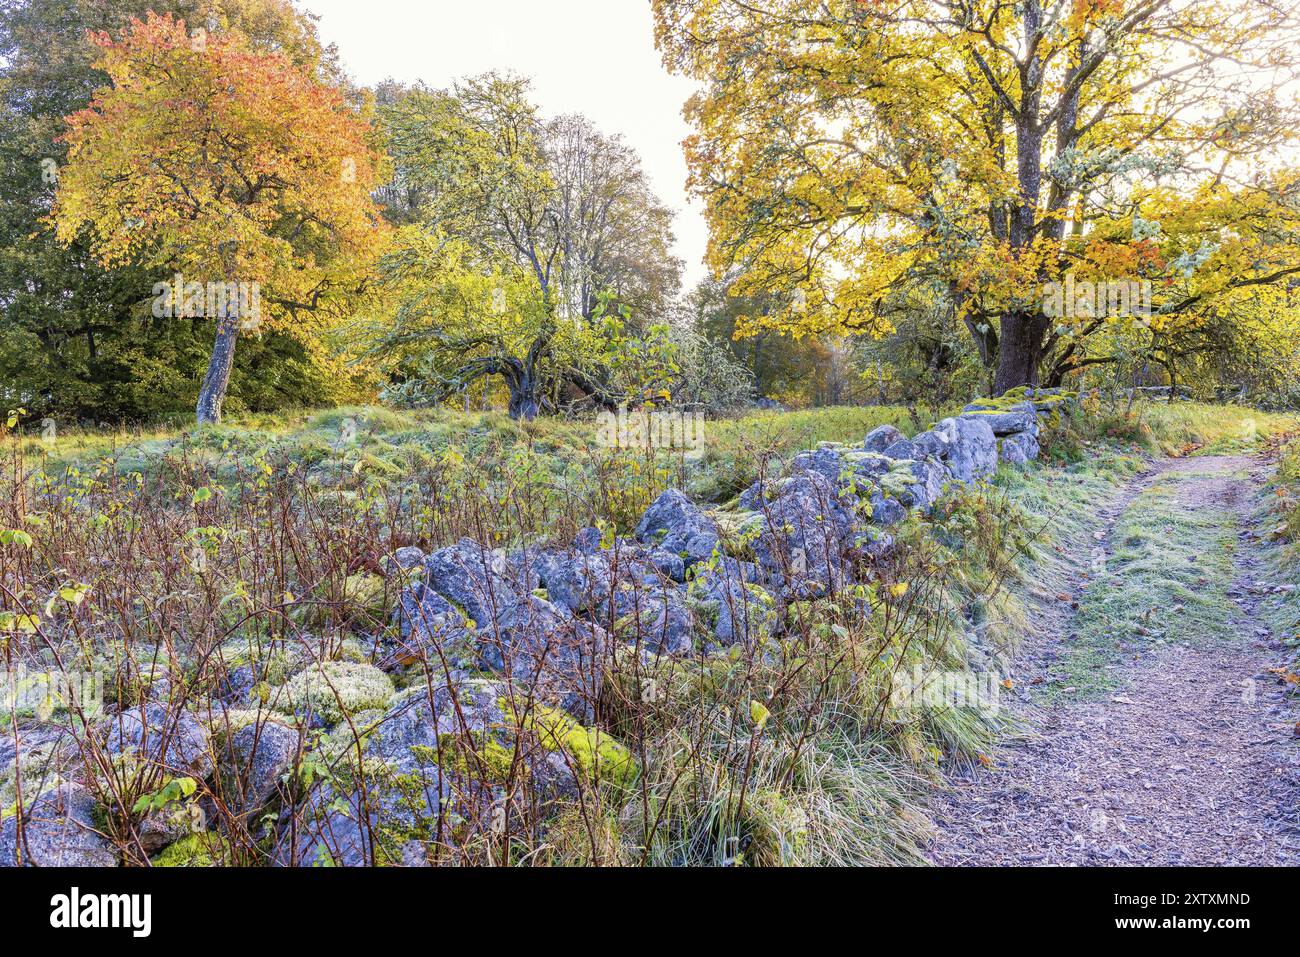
238,168
857,153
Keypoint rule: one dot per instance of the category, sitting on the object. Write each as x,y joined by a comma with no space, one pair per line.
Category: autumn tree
524,245
866,152
230,164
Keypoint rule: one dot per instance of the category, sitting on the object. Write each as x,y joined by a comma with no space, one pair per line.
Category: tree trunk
1020,351
213,392
525,401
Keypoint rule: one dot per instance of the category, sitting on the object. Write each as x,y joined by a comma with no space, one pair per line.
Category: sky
595,57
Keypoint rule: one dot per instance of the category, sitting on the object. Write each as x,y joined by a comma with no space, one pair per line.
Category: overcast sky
595,57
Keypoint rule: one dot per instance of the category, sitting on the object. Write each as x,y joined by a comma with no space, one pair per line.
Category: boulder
1019,449
802,533
173,740
478,580
737,612
59,830
902,449
1021,417
579,582
966,446
881,438
925,491
886,511
675,524
253,763
656,618
358,820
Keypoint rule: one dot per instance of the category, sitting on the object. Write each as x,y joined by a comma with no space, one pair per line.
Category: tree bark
1020,351
212,394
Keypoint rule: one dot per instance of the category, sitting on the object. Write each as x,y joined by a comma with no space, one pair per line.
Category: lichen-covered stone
330,690
881,438
673,522
170,738
59,830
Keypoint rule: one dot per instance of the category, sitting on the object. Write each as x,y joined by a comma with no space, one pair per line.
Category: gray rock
426,619
902,449
534,640
1019,449
930,479
886,511
588,541
407,558
578,582
668,564
477,579
803,531
881,438
174,741
736,611
253,763
966,446
1022,417
674,523
658,619
58,831
371,820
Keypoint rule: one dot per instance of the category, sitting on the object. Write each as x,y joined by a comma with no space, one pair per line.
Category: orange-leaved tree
238,168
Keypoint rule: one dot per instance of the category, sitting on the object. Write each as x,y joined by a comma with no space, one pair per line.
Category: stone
59,830
928,487
1022,417
173,740
886,511
802,533
674,523
368,820
966,446
881,438
902,450
737,612
588,540
253,763
657,619
328,691
477,579
1019,449
407,558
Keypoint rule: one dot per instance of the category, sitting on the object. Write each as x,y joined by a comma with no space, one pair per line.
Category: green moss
196,850
595,754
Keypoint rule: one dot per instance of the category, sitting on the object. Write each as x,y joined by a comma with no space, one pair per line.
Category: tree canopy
863,151
231,165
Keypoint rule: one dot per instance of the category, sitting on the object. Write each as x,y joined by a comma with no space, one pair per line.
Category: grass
292,513
1165,581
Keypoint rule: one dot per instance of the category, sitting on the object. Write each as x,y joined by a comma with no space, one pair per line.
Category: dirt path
1187,755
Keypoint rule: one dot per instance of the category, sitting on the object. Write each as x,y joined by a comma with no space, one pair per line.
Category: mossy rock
332,690
596,755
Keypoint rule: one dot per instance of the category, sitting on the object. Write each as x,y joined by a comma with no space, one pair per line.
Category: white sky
595,57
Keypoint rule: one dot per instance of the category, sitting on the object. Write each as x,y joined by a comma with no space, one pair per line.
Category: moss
595,754
333,689
481,757
209,849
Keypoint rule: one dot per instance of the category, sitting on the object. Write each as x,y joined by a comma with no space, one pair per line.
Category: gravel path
1193,761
